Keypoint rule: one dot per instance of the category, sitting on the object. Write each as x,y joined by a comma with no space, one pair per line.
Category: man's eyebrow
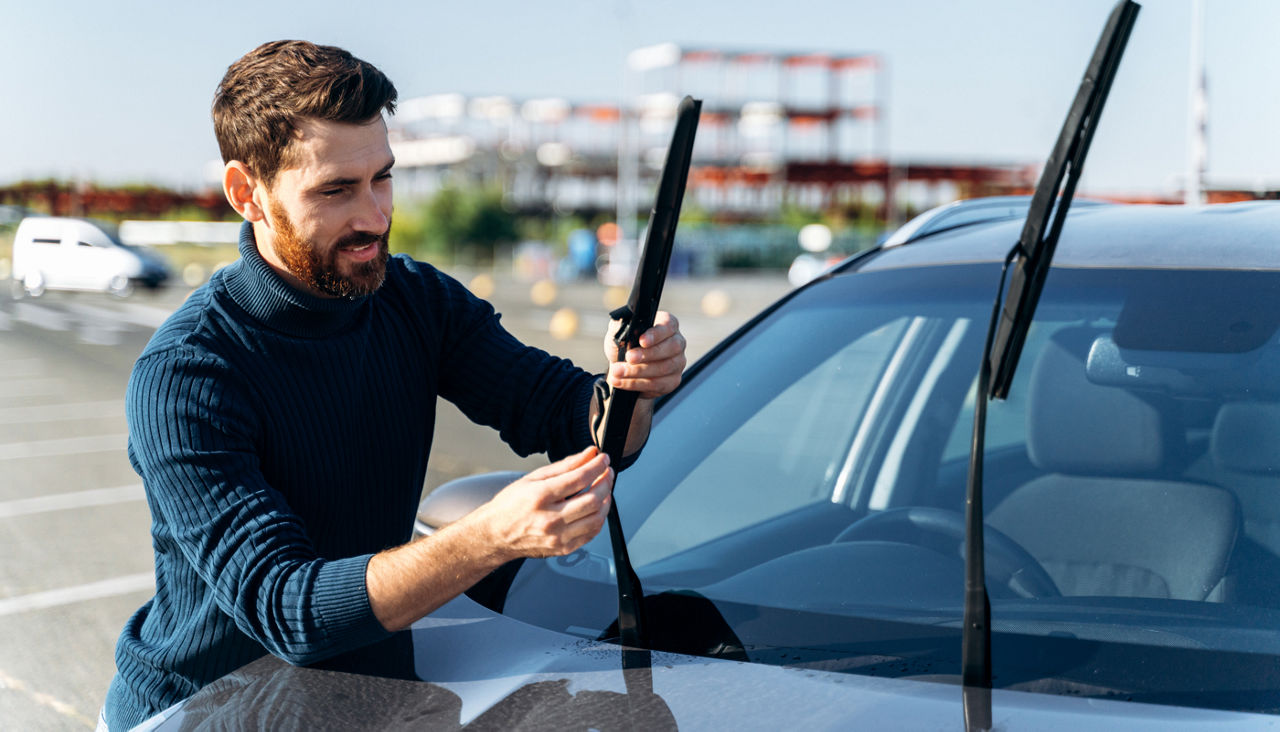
333,182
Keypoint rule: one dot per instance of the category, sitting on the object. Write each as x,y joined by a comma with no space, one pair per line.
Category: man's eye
384,176
331,192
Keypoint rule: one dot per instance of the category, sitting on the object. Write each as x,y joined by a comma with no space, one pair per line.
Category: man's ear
241,188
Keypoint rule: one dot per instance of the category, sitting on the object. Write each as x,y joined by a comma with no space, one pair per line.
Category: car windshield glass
809,482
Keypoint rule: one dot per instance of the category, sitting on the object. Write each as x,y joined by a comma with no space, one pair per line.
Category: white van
54,253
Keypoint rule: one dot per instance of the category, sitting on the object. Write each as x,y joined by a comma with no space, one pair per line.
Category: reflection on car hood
467,666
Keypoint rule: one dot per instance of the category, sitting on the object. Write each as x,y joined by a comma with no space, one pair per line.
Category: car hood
467,666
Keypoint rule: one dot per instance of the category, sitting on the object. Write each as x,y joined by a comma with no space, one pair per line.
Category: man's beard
320,271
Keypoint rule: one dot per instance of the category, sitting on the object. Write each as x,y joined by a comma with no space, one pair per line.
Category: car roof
1220,236
57,223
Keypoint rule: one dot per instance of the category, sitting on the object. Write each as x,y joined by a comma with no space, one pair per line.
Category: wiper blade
1057,185
637,316
1030,259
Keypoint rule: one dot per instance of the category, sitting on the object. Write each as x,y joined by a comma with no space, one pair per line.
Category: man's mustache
359,239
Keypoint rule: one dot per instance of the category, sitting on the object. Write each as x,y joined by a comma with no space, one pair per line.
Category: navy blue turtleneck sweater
283,440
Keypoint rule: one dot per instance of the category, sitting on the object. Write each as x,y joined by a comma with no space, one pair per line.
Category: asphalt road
73,522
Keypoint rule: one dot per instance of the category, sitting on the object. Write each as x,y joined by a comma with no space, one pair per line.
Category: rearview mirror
457,498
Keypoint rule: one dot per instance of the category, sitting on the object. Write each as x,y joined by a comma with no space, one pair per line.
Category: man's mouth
361,252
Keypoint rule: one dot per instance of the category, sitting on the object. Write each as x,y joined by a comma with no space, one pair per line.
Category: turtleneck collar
266,296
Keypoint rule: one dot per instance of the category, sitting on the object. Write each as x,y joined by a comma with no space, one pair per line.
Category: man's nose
374,212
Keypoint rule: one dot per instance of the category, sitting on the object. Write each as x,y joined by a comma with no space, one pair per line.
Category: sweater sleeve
537,402
191,436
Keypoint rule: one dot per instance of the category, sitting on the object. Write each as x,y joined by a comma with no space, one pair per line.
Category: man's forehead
324,149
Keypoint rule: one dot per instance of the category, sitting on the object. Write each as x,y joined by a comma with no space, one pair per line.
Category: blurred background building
802,129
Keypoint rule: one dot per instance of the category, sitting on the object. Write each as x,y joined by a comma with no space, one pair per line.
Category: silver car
796,518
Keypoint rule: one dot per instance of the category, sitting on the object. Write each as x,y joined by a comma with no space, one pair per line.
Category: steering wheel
1007,563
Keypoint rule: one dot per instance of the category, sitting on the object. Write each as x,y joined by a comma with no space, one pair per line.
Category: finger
649,370
665,326
650,389
660,351
582,531
590,502
591,506
563,465
579,479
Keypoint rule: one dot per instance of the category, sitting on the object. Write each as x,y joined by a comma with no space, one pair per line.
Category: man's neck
265,240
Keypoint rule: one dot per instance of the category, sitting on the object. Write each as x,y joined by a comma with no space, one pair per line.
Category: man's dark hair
264,94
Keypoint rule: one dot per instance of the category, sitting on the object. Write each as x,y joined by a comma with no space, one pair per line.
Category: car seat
1107,518
1244,459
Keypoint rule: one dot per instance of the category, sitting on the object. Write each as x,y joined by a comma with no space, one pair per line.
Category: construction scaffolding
803,129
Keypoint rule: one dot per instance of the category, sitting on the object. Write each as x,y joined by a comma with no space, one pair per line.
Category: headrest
1246,437
1081,428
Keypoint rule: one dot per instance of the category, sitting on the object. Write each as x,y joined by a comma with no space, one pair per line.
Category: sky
120,92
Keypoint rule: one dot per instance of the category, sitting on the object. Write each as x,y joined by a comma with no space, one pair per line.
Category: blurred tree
454,224
487,223
409,230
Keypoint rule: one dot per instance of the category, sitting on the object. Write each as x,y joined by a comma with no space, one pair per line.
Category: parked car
57,253
796,515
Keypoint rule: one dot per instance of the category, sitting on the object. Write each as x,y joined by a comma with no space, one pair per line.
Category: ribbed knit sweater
283,440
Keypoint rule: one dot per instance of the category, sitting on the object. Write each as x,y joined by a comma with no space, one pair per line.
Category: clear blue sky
120,91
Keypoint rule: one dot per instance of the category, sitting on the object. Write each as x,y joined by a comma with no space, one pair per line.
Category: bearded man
282,418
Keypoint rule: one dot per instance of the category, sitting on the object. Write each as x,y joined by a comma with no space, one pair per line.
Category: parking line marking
14,367
78,593
24,387
64,446
124,315
62,412
68,501
42,317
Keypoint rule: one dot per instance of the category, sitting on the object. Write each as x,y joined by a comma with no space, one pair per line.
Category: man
282,417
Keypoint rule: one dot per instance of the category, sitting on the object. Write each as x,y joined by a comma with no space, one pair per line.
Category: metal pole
1197,141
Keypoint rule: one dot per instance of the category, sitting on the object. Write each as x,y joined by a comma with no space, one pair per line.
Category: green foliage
554,230
489,223
409,231
445,220
456,224
795,217
693,216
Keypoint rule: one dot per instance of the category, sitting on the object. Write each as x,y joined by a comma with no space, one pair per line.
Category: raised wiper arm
636,317
1030,259
1057,185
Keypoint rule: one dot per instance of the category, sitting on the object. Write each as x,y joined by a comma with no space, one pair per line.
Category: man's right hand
553,510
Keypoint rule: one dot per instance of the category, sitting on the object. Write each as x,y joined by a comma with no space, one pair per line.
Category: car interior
1108,517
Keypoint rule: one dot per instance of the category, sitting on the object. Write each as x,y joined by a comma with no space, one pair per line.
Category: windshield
809,483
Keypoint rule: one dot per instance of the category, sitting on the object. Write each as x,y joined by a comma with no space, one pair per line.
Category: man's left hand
654,369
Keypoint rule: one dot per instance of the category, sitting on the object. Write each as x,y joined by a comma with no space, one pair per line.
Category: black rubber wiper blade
637,316
1006,334
1052,199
